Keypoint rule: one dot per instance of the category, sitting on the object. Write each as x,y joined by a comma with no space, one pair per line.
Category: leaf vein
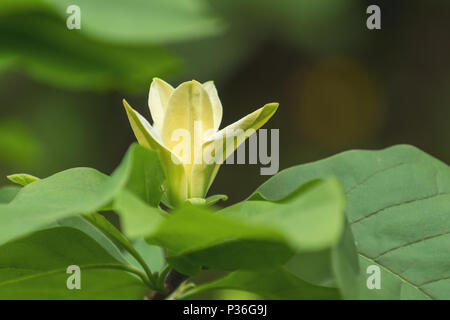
408,282
397,205
412,243
92,266
374,174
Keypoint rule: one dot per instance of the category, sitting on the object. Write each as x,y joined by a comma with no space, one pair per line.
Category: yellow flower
195,109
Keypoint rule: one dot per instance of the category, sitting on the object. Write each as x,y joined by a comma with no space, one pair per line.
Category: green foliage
119,45
311,217
7,193
138,219
195,236
121,241
289,240
212,200
37,267
252,235
398,203
73,191
146,176
152,255
40,43
140,21
274,283
22,179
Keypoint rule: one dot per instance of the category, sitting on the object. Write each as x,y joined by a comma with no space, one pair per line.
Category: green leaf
110,231
147,176
22,179
137,218
212,200
332,267
82,224
175,184
345,266
253,234
314,267
120,240
152,255
274,283
398,207
311,217
70,192
138,21
34,267
7,193
38,42
195,236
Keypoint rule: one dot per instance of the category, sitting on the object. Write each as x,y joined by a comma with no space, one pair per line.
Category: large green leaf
39,42
7,193
142,255
138,219
195,236
332,267
398,207
80,223
74,191
146,177
255,234
274,283
142,21
121,241
110,231
34,267
311,217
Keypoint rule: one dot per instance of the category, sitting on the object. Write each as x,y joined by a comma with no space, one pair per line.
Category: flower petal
189,113
252,121
158,98
203,174
215,102
176,187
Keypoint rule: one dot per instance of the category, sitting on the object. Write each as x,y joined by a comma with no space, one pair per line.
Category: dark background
340,86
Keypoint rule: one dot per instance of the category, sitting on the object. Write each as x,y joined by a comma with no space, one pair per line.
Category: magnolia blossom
195,109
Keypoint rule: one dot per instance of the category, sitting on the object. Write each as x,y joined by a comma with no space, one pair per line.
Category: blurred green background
340,85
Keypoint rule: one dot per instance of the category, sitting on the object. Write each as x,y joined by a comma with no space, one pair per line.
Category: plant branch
171,283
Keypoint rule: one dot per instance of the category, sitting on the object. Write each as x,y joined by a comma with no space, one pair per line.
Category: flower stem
171,283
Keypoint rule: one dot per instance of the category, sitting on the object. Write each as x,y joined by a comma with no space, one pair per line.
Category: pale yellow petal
176,186
252,121
189,108
226,141
202,176
215,103
158,98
